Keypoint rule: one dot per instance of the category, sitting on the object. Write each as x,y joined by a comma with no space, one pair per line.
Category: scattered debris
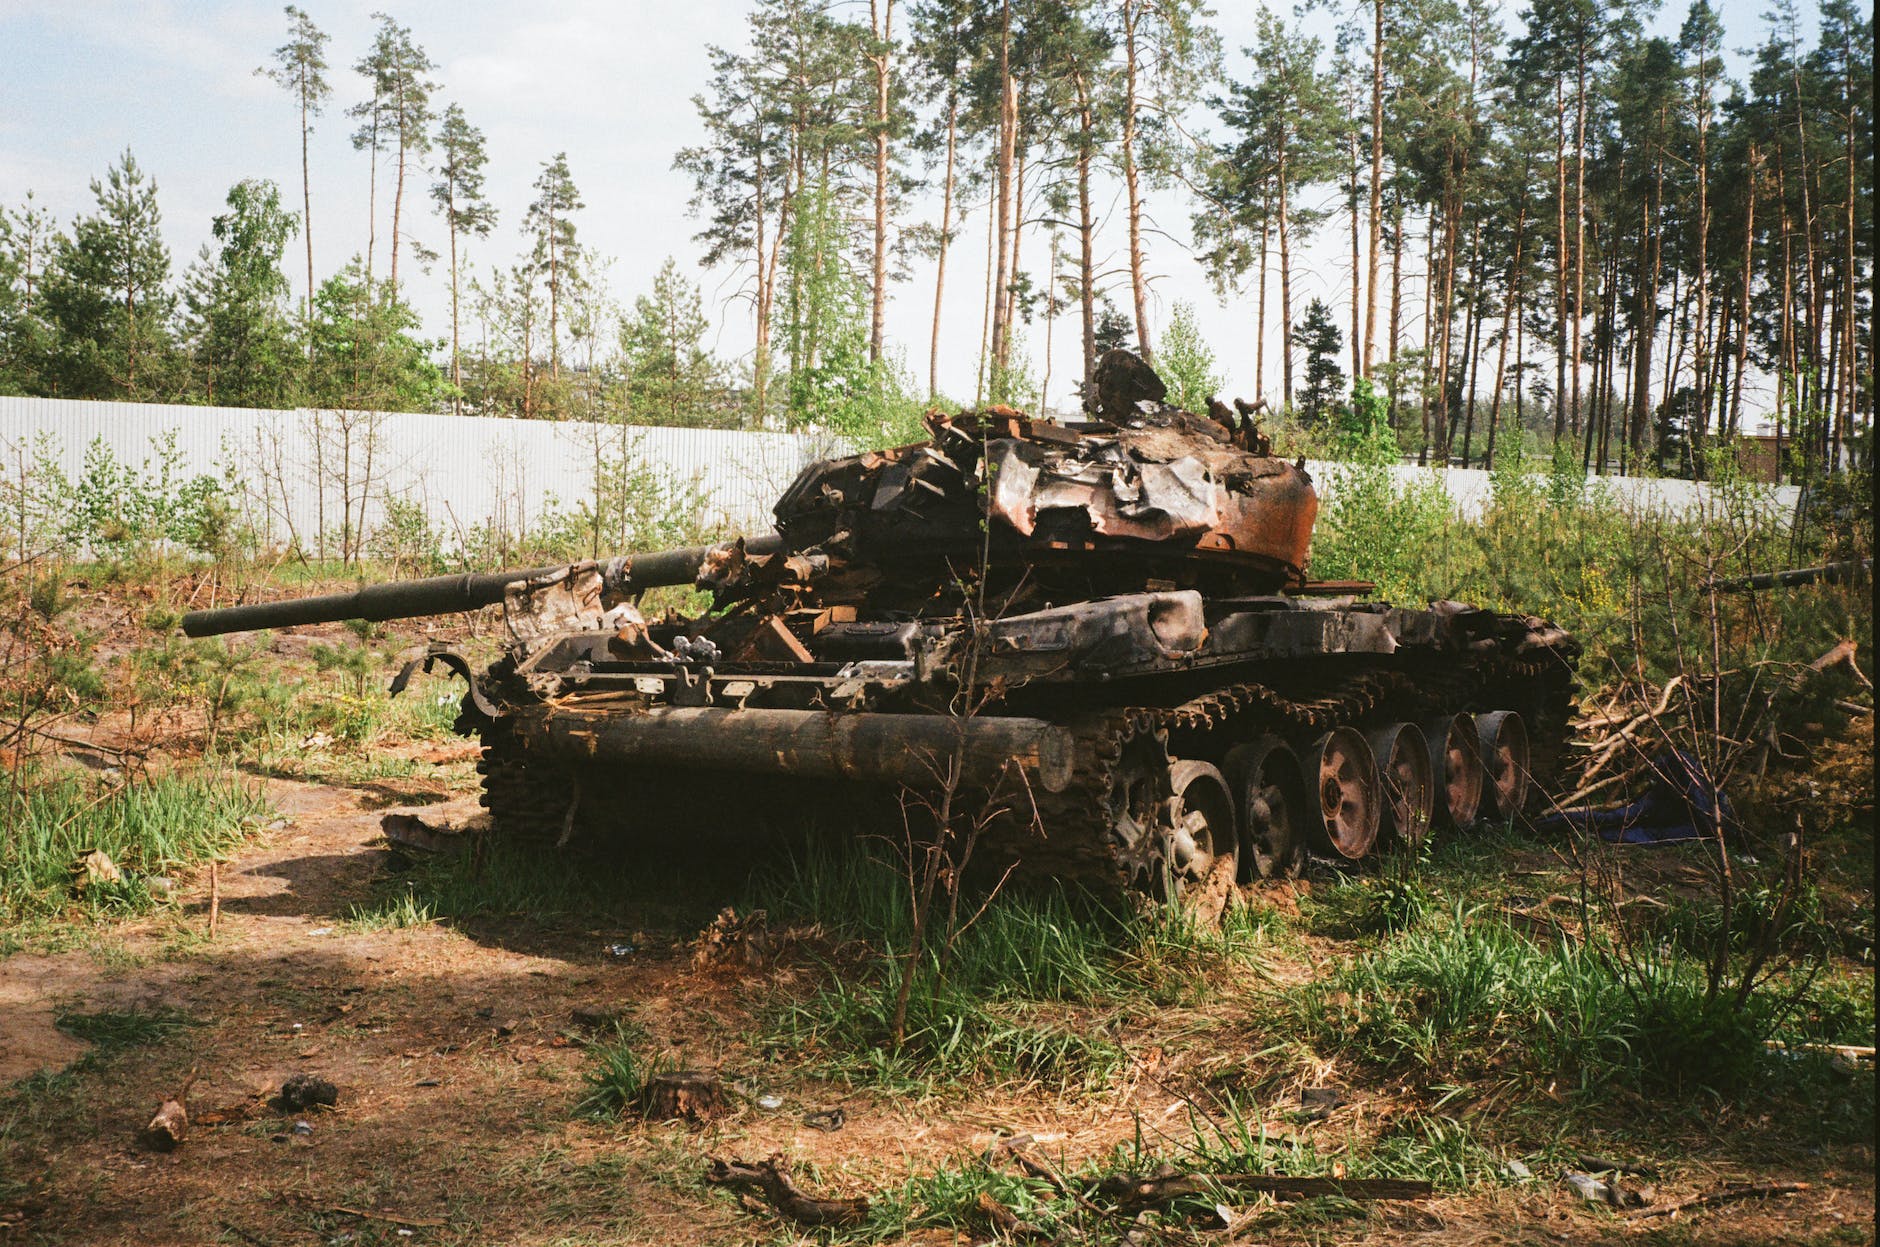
1317,1103
305,1091
595,1017
94,867
827,1120
1680,804
733,942
1845,1058
771,1179
1599,1164
1517,1171
391,1218
170,1126
304,1129
770,1101
1728,1194
1131,1191
619,950
1005,1222
428,1082
694,1095
410,831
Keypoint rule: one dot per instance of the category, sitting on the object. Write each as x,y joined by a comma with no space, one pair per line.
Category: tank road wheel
1456,768
1349,793
1403,767
1138,809
1199,870
1265,775
1504,750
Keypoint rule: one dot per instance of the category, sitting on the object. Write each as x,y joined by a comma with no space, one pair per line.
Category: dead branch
1130,1191
391,1218
1728,1194
771,1178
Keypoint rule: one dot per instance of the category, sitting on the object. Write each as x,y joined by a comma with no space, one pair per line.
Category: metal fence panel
465,471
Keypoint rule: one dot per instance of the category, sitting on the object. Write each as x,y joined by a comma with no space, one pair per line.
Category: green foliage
365,355
113,1030
1467,995
1319,336
242,349
1186,362
146,826
107,295
616,1081
671,377
1029,992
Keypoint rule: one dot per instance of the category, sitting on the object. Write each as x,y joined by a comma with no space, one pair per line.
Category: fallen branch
772,1179
1140,1192
391,1218
1729,1194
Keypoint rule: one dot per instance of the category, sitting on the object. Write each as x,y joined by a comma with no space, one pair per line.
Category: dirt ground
459,1065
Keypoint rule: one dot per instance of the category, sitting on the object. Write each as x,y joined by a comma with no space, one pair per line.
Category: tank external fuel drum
914,749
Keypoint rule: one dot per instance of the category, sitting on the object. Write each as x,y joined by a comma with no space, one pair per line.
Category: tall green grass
147,827
1037,989
1468,995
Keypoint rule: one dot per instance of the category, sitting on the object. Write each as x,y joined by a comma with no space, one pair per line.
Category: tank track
529,798
1074,823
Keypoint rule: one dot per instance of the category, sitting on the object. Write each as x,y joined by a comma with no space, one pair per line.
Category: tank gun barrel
444,595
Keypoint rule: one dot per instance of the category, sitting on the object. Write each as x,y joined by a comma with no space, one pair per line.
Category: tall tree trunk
398,192
1579,219
1139,287
306,220
456,357
1396,308
1086,236
1700,424
881,22
1377,179
1509,316
1645,326
992,282
1007,158
372,199
1472,339
1357,320
1562,258
1259,337
1430,282
946,236
1749,274
1285,285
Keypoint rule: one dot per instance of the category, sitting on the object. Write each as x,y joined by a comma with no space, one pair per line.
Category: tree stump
695,1095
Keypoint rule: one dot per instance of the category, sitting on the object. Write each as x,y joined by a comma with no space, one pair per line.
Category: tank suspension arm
444,595
912,749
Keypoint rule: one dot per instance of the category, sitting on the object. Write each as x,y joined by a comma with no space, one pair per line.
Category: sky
610,82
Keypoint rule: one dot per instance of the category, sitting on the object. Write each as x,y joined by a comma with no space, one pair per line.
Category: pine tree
557,253
671,376
300,68
458,193
107,297
1325,380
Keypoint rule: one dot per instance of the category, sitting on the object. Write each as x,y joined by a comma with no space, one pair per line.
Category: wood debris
771,1179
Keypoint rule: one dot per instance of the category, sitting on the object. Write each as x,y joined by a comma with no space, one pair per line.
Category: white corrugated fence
308,469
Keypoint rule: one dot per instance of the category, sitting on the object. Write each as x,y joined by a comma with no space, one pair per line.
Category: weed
399,912
146,827
113,1030
1471,995
617,1081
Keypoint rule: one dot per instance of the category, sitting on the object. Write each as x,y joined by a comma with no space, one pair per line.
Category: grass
147,827
114,1030
1465,996
1040,990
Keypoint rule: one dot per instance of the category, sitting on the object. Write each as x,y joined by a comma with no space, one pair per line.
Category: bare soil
459,1067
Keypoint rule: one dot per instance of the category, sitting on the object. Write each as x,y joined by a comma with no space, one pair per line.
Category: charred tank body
1103,630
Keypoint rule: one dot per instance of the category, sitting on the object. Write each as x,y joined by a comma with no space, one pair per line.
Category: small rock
1518,1171
303,1128
160,885
1589,1188
770,1101
620,950
321,931
1317,1103
827,1120
93,868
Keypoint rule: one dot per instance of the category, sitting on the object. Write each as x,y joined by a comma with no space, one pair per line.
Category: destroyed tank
1094,643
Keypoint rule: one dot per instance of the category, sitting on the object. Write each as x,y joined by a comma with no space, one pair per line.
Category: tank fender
1107,633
